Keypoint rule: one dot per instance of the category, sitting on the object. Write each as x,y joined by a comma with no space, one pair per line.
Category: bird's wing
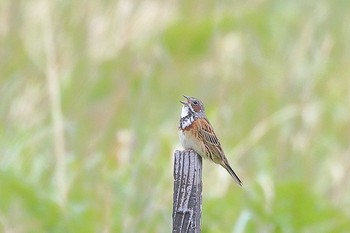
213,147
206,132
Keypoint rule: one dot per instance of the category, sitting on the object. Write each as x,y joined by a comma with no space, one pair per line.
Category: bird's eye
195,102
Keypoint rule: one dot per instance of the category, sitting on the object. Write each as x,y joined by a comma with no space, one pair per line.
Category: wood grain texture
187,199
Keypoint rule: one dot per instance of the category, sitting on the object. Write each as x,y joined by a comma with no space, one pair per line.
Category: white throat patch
186,117
185,111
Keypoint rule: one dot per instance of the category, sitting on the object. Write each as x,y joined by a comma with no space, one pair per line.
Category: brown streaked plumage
197,133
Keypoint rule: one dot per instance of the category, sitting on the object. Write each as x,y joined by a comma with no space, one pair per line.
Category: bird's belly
189,142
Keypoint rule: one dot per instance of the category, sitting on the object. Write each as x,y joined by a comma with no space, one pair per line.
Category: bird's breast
186,121
189,139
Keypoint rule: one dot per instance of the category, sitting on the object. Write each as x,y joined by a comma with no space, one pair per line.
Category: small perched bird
196,133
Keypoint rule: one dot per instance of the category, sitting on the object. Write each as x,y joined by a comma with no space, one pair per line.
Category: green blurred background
90,106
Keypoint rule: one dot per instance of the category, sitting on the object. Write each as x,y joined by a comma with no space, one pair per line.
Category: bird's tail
232,173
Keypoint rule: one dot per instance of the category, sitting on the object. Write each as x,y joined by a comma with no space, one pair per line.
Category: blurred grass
274,78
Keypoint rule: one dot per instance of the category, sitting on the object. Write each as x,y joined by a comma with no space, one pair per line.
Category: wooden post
187,200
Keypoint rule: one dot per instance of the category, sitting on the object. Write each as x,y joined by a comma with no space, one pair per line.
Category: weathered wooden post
187,200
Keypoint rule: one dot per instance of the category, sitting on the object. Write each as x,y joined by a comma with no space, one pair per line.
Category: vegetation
90,110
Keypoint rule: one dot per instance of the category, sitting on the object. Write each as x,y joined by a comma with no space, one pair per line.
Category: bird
196,133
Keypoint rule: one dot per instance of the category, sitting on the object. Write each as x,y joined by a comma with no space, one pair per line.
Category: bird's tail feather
232,173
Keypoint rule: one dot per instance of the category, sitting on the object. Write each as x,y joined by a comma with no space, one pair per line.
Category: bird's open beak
183,102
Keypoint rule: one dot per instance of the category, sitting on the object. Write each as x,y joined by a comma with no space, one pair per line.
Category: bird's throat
185,111
186,117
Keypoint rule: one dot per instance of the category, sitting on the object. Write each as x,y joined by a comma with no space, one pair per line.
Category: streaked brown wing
212,144
213,147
